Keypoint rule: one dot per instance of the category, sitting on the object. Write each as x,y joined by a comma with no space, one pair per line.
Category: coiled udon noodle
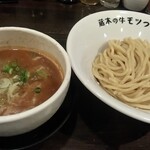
123,70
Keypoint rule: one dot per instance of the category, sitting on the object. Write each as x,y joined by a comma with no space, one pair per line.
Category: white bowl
90,34
28,120
136,5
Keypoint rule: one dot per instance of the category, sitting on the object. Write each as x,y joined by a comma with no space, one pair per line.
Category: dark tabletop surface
92,125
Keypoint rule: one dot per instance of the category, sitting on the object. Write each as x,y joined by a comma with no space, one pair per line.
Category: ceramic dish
45,131
90,34
28,120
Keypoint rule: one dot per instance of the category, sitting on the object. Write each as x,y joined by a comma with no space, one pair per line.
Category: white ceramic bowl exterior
33,118
137,5
90,34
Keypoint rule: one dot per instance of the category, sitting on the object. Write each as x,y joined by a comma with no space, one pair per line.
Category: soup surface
27,78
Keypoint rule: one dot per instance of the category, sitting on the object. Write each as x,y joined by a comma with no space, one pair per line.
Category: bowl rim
126,110
57,94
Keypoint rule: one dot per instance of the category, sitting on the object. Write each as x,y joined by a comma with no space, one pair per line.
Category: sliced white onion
5,83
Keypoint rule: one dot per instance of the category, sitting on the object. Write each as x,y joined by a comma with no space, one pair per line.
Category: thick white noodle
123,70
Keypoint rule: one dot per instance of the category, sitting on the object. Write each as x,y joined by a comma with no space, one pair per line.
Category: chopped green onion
15,69
37,90
42,73
7,69
24,75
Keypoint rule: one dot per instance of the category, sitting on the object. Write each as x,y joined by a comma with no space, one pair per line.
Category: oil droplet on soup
27,78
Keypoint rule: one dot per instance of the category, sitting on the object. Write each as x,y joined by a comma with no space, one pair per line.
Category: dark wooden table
92,125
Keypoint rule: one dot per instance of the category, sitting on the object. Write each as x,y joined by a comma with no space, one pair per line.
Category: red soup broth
27,78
